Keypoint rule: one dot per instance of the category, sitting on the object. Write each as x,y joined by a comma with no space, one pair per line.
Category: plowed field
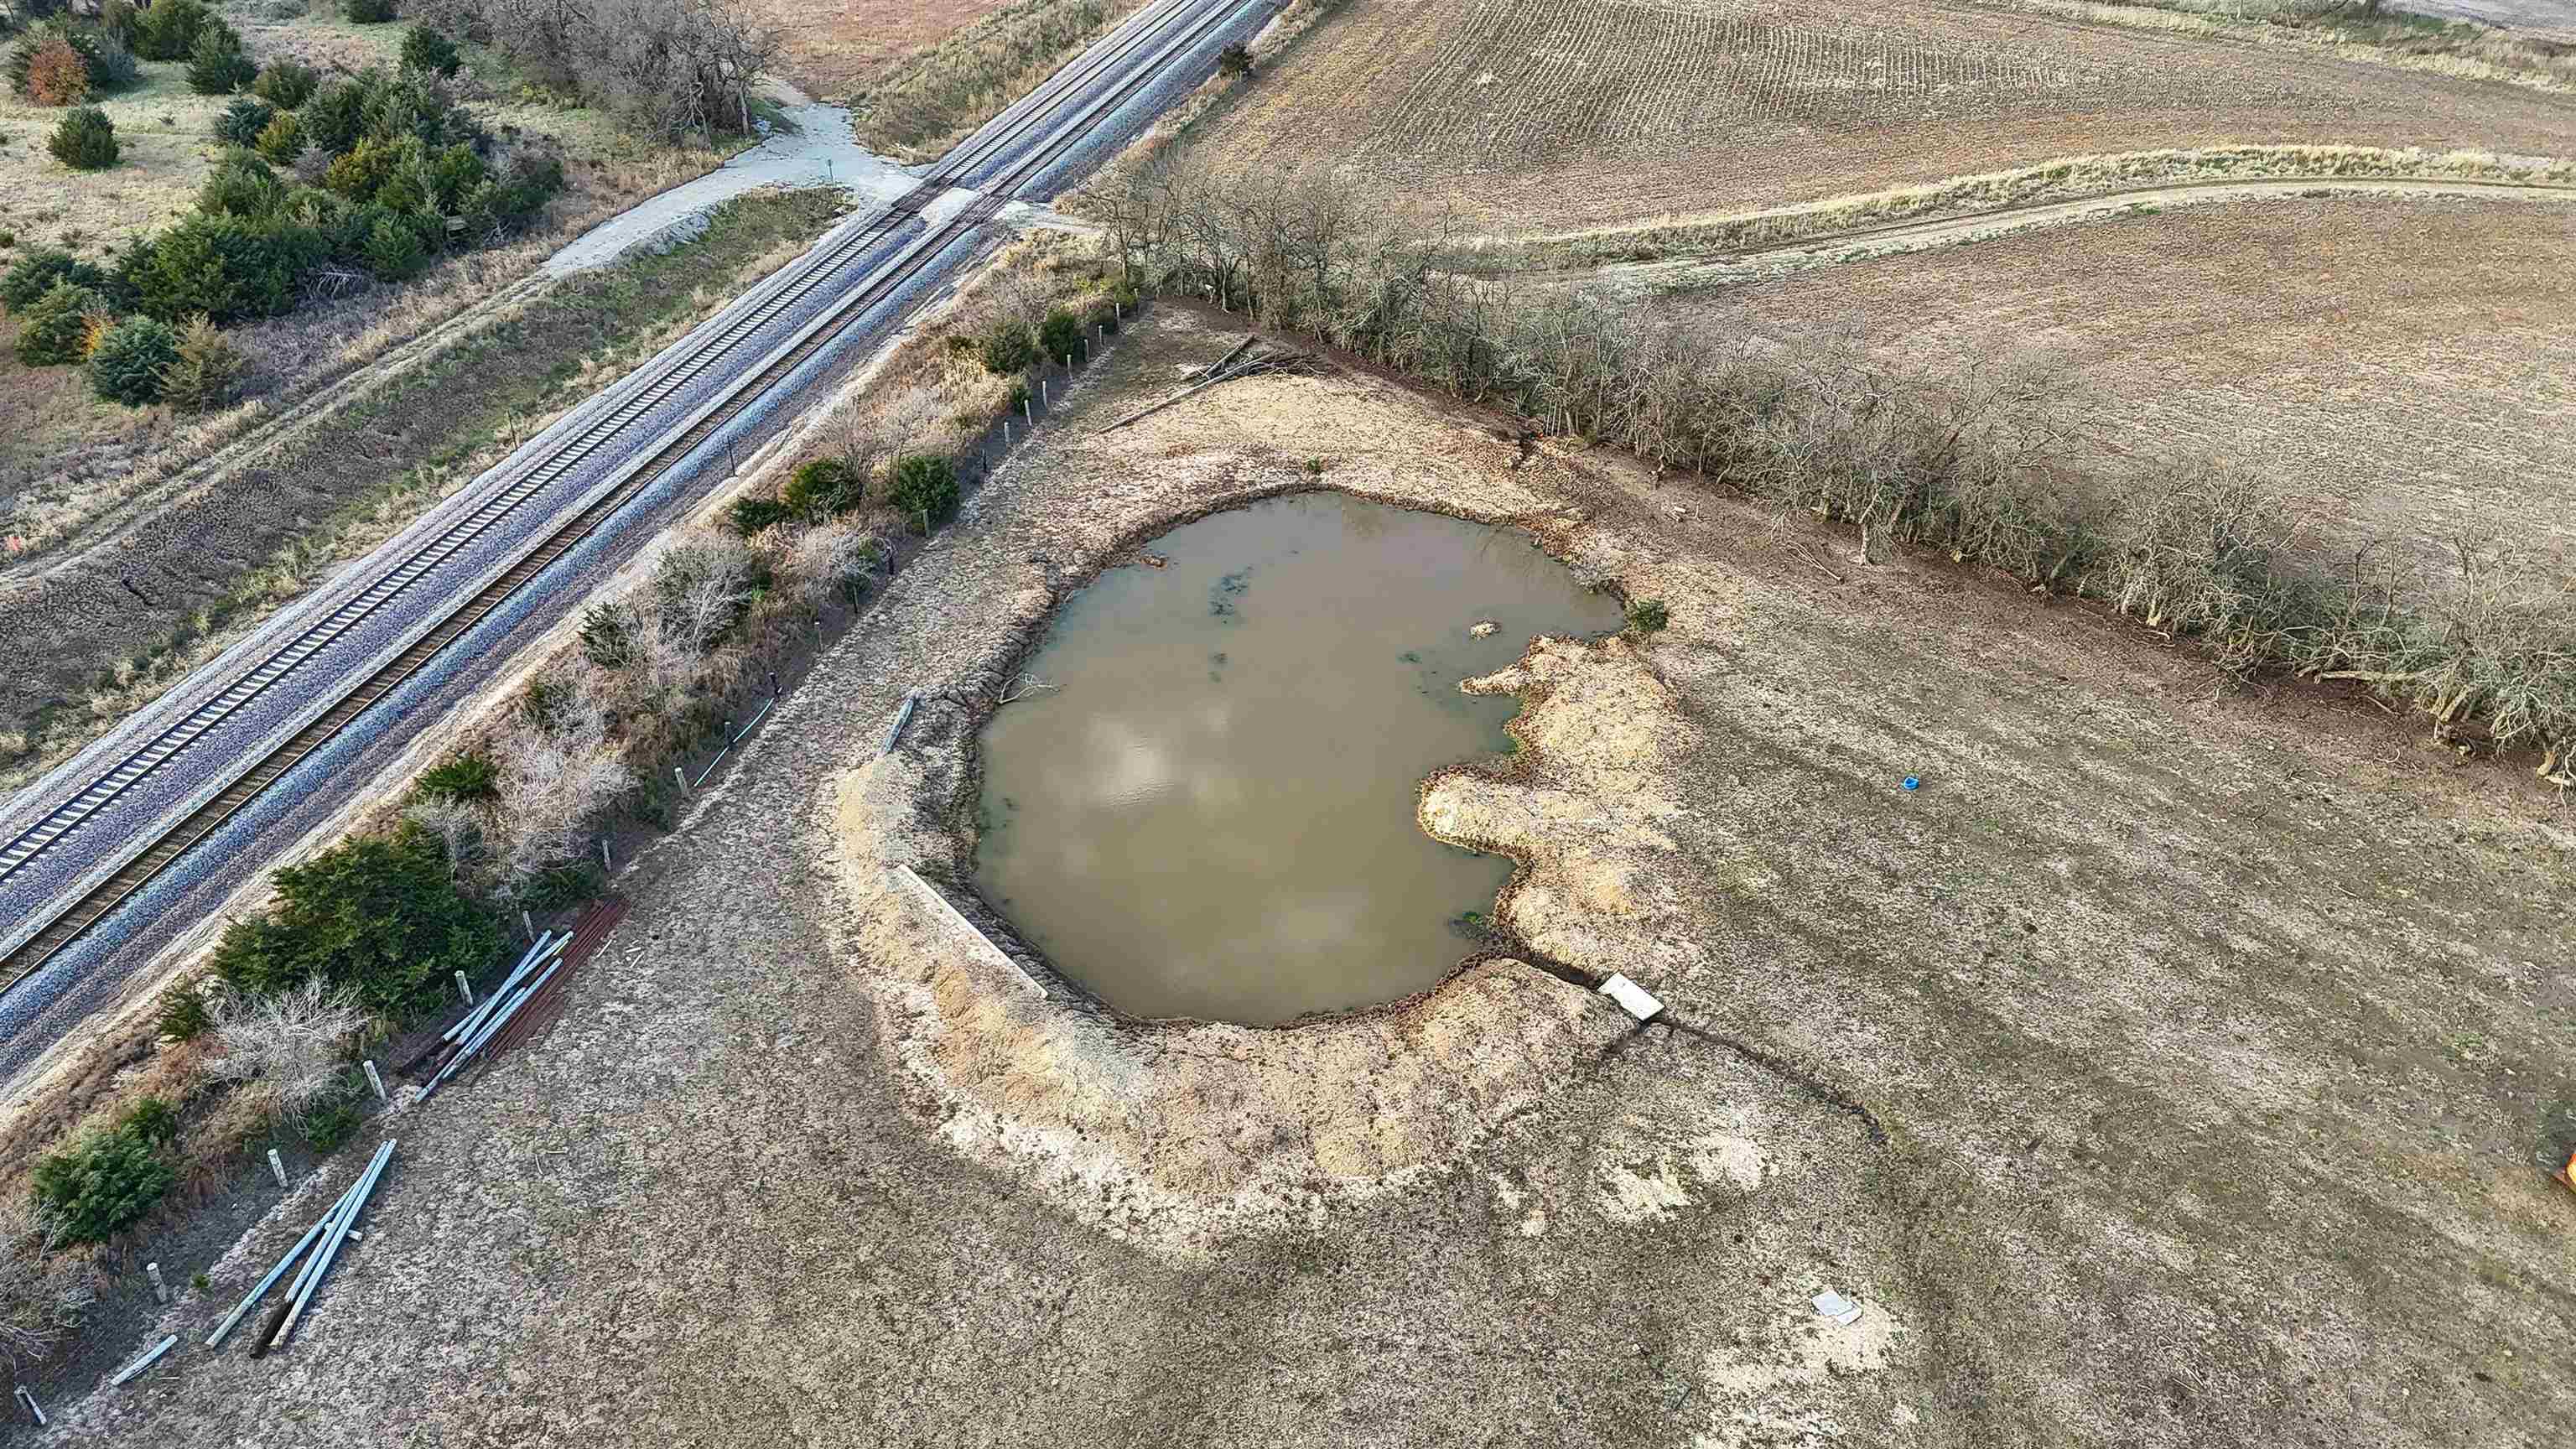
2408,363
1572,113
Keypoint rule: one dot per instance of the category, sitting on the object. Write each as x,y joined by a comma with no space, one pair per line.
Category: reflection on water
1211,815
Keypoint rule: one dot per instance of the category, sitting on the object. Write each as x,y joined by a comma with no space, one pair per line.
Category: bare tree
458,824
555,779
287,1045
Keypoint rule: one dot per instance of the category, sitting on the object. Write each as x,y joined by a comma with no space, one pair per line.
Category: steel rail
1120,45
103,897
92,906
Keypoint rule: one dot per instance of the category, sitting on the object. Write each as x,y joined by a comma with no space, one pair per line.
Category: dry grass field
2409,365
834,50
1581,113
2175,1068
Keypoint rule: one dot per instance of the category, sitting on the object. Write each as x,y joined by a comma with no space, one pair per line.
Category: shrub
834,559
821,488
925,488
363,170
380,916
611,635
131,363
39,69
41,1294
84,140
1006,347
56,74
243,120
370,12
286,84
557,887
1059,334
748,516
207,368
556,778
1648,616
467,776
241,185
1235,60
33,275
428,51
182,1013
101,1184
335,116
394,249
288,1045
169,29
281,140
337,1117
216,65
227,267
153,1119
56,329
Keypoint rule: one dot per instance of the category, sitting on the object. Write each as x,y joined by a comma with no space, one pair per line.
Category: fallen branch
1222,363
1266,362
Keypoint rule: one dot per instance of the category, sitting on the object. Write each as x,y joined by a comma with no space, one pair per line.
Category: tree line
1987,465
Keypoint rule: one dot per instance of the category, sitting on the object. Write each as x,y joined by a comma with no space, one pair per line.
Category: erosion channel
1208,810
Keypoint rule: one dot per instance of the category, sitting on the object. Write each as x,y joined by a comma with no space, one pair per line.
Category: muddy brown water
1211,814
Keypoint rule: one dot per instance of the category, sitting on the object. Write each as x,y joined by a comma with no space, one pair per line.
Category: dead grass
163,132
216,562
2067,178
837,51
2402,363
83,461
944,92
2466,49
1590,113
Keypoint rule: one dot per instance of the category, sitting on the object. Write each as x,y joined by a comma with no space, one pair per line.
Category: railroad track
1165,24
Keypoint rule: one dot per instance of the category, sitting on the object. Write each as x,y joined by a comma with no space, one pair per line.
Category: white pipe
252,1300
494,1027
547,945
145,1362
330,1248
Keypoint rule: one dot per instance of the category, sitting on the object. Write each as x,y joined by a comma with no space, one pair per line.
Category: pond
1209,811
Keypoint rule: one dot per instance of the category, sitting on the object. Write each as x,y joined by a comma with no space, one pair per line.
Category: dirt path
819,151
1907,236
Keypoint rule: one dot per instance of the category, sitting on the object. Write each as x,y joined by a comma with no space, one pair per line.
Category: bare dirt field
2176,1067
2404,363
1601,112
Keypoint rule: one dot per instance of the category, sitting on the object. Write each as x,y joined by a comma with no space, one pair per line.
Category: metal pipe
902,717
32,1408
145,1362
493,1027
303,1275
330,1248
251,1299
547,944
473,1044
711,764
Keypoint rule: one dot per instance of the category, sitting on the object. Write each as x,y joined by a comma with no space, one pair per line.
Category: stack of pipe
324,1240
510,1013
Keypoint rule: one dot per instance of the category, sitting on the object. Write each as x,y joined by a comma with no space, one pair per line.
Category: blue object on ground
1913,783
